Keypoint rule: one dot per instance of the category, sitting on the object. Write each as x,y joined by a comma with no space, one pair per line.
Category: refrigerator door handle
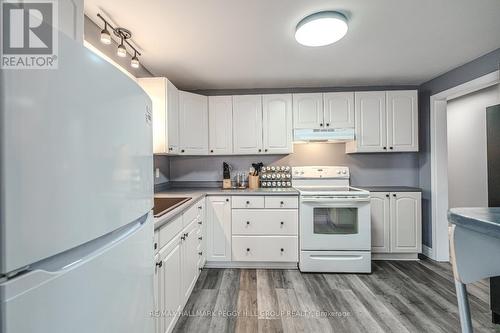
68,259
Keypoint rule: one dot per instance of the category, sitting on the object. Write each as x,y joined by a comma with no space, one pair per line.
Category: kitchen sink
165,205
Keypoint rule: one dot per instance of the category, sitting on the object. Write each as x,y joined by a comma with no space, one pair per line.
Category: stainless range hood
332,135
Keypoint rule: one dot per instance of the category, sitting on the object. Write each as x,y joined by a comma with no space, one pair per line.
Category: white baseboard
251,264
395,256
428,252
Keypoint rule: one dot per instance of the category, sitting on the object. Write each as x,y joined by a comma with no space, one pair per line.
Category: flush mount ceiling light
321,29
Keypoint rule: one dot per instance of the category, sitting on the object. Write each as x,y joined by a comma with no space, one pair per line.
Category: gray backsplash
395,169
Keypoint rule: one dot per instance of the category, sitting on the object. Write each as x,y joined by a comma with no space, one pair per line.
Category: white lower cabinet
177,265
396,222
218,228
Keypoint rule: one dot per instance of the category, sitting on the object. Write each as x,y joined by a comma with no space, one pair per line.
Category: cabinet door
277,123
339,109
156,295
170,284
189,251
380,218
172,118
406,222
370,119
247,124
402,120
156,89
308,111
218,216
193,124
220,125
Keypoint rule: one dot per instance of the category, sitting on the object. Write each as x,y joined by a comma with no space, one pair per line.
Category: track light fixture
124,35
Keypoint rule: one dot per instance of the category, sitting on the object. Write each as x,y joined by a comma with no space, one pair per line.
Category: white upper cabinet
386,121
277,123
165,100
308,111
172,118
193,124
247,124
339,109
220,125
371,122
402,120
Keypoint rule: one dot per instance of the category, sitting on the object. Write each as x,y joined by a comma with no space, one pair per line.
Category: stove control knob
274,183
278,183
344,172
278,175
338,172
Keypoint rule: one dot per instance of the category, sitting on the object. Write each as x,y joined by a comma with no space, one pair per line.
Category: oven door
335,223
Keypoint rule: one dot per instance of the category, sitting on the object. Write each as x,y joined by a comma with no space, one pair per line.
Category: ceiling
234,44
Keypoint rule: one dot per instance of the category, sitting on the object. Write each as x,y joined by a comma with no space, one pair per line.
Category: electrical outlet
157,172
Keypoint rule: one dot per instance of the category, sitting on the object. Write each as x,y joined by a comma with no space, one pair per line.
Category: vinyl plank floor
397,297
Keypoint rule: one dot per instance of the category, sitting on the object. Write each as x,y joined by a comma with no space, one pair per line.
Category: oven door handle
333,200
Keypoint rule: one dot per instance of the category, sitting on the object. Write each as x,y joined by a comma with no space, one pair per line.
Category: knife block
253,182
226,183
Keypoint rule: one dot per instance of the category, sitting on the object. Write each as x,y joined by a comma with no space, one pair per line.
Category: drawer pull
248,249
199,207
282,250
183,237
282,203
159,264
282,223
227,200
200,238
248,202
200,253
155,246
200,222
200,269
248,222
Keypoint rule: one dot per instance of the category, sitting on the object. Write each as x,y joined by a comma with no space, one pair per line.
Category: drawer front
248,202
265,248
282,202
265,222
189,215
169,231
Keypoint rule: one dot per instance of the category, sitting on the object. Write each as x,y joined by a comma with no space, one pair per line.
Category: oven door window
340,221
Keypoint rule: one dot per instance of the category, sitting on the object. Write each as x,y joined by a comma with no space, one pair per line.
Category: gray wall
92,34
471,70
467,153
366,169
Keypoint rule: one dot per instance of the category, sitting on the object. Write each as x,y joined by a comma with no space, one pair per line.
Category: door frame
439,161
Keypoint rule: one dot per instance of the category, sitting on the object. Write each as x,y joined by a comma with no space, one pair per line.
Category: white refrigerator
76,193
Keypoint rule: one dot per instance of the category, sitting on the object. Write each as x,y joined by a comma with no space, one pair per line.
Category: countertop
389,188
482,220
197,193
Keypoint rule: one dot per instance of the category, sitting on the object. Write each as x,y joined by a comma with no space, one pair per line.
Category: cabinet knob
248,249
155,246
200,222
200,238
327,124
265,150
227,200
170,148
183,237
159,264
387,195
211,150
282,203
282,223
200,253
282,250
321,124
394,195
391,147
182,150
260,150
200,269
384,148
248,222
248,202
186,234
200,207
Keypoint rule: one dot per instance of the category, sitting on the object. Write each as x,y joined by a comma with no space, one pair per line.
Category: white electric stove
335,232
